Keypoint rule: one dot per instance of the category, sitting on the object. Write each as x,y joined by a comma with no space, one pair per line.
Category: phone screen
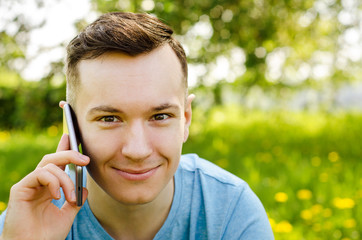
70,127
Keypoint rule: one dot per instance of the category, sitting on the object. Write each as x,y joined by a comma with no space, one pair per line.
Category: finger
63,143
71,209
63,158
65,181
62,103
85,195
40,178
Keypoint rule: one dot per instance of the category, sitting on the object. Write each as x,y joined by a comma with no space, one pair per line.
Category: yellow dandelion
349,223
316,209
304,194
2,206
333,156
4,136
306,214
343,203
281,197
272,223
53,131
283,227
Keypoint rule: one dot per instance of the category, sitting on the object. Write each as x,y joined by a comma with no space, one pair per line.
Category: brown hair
128,33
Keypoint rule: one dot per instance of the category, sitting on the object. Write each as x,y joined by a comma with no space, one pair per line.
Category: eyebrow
165,106
104,108
109,109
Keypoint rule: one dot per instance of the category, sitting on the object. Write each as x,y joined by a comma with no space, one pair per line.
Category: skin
30,199
134,118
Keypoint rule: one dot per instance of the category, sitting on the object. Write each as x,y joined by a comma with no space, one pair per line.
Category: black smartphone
75,171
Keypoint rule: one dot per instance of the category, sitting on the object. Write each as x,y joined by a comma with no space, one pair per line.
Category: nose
136,146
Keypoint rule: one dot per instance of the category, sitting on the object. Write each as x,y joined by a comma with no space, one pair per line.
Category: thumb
63,143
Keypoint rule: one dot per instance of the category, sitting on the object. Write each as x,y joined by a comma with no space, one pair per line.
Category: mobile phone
75,171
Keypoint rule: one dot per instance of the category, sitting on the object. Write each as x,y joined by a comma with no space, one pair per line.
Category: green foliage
304,35
305,167
11,48
301,31
30,105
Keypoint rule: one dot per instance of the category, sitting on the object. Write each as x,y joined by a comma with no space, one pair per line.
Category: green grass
305,167
20,153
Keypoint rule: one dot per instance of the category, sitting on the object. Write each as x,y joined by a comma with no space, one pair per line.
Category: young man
127,83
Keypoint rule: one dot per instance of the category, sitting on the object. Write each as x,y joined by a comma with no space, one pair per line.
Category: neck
125,221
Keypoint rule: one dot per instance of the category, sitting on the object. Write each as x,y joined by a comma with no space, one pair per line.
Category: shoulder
192,163
2,221
231,207
211,179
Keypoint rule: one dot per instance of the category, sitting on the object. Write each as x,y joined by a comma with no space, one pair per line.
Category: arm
31,213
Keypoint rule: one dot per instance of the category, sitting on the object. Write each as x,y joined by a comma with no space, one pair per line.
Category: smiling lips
137,175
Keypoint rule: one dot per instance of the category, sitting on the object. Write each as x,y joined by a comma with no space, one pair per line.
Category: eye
160,117
109,119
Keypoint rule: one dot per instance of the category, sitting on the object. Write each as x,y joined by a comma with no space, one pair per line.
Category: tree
239,47
25,104
274,45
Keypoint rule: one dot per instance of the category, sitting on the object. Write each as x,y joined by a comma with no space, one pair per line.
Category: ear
188,115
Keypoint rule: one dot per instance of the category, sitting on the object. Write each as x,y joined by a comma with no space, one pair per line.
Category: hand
31,213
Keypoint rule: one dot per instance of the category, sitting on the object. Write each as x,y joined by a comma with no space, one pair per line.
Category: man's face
134,119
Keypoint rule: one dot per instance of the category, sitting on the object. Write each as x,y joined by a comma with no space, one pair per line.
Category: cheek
168,141
99,146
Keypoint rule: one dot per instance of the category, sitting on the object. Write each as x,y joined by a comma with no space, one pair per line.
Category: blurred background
278,86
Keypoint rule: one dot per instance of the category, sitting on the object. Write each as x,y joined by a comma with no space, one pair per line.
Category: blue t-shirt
208,203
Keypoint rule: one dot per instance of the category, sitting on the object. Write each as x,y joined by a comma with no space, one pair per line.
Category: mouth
137,174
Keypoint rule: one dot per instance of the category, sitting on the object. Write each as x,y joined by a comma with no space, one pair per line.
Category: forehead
161,61
118,77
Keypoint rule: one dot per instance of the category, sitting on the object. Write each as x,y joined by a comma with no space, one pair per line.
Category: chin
135,199
130,193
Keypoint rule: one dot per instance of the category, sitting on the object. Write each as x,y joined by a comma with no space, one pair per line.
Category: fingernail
72,196
58,194
83,157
